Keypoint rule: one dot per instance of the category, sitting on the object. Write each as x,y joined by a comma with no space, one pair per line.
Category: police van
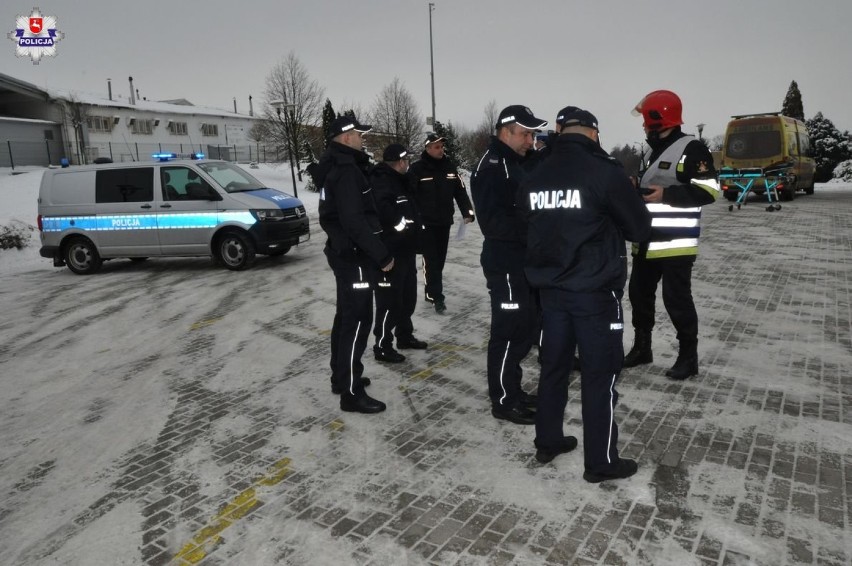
168,207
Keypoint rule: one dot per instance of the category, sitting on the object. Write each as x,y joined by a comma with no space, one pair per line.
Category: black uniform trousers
434,241
594,323
676,273
396,299
353,318
513,332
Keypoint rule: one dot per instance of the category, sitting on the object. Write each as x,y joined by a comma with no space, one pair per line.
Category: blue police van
189,207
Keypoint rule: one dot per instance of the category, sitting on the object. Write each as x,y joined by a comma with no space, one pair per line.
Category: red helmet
661,110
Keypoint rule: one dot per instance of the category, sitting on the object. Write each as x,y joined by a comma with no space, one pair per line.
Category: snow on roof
28,120
179,106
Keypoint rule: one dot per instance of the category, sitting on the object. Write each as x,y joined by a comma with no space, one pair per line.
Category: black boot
641,352
686,364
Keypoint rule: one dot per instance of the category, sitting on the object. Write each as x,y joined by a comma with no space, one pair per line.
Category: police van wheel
81,256
138,259
235,251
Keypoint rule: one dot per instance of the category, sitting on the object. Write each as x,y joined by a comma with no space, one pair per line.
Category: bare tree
300,99
474,142
395,113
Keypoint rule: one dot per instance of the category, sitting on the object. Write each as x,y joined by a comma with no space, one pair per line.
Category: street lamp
700,130
278,105
432,61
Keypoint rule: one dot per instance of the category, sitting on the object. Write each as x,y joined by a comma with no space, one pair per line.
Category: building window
142,127
209,130
99,123
178,128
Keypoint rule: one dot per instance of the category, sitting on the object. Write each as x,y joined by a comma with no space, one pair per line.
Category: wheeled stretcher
746,179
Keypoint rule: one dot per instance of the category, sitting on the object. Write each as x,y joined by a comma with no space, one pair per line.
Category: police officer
396,292
494,187
582,206
355,252
678,181
435,183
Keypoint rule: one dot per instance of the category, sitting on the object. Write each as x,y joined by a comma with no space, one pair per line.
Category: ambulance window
125,185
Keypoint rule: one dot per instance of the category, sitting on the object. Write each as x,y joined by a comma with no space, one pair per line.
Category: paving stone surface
250,461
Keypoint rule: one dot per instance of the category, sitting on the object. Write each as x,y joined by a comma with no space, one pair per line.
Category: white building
41,126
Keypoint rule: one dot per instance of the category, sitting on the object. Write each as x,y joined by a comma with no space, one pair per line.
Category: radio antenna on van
129,149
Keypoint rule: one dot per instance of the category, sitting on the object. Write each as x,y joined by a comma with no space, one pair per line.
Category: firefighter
678,179
581,208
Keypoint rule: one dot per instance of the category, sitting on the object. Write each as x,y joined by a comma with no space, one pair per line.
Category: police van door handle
165,205
145,206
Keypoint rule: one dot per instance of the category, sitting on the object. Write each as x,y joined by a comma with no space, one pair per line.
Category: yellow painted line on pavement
444,362
207,538
336,425
203,323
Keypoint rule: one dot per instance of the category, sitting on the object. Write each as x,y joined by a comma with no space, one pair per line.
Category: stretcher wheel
770,208
777,207
739,206
730,207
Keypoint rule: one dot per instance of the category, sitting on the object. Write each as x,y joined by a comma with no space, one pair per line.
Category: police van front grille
293,213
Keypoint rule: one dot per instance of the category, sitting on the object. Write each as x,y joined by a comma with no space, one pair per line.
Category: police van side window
125,185
182,183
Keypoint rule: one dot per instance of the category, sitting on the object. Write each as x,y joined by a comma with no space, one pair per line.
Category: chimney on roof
109,88
251,108
235,105
132,100
137,95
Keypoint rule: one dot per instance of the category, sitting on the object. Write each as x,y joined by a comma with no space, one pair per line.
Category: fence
19,153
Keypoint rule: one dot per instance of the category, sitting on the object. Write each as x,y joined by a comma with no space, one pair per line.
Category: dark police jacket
581,206
435,183
494,187
347,211
398,215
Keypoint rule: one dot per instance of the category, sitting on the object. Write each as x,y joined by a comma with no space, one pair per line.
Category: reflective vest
676,230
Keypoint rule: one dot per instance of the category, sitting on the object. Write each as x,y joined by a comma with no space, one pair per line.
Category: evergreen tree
451,143
828,146
629,157
792,105
328,116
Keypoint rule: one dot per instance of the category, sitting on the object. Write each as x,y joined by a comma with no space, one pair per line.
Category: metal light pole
432,61
278,105
700,131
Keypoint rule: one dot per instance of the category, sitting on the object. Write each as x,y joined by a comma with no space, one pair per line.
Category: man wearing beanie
396,292
435,183
581,208
355,252
494,186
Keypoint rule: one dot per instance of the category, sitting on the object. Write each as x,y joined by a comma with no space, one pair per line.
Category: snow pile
843,172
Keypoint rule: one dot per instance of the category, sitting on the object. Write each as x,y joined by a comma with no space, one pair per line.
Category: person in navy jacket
396,292
494,186
581,207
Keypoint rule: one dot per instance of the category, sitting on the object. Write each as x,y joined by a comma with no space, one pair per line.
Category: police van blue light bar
170,156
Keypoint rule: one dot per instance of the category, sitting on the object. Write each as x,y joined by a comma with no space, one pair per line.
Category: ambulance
167,207
767,146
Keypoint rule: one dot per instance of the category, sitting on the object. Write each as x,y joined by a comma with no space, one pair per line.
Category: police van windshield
231,177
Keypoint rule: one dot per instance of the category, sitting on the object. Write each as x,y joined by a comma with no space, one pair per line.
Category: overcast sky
723,58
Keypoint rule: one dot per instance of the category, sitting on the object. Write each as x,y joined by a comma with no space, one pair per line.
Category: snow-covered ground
141,347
